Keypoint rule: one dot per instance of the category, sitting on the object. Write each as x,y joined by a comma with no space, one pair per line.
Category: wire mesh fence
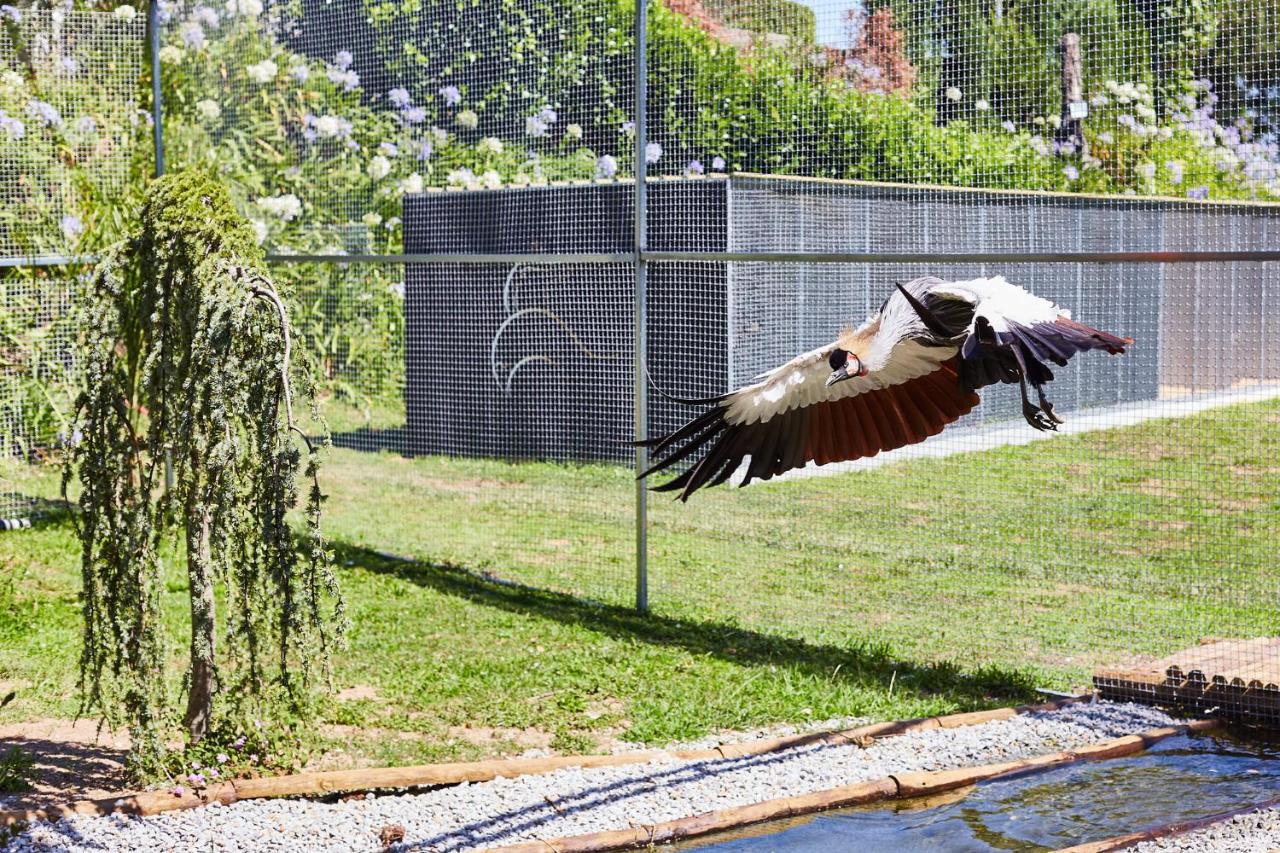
448,195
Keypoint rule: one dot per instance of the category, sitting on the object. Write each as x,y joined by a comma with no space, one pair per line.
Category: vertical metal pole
641,306
157,140
157,120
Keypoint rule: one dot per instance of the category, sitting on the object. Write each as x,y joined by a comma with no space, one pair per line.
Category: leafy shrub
15,771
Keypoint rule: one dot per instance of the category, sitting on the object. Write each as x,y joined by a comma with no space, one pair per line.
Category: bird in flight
900,377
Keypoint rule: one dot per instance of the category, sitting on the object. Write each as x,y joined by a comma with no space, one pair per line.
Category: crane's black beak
852,367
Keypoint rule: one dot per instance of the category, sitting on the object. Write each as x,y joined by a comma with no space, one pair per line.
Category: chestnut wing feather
838,430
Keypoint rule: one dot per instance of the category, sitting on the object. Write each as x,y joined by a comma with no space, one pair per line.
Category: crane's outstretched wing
790,417
1007,336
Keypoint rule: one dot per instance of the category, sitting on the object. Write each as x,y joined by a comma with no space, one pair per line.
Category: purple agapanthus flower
1008,125
71,226
348,80
717,164
606,167
414,115
628,127
452,97
86,124
399,98
1198,193
1175,171
343,59
45,112
10,12
1072,173
694,168
193,35
425,150
205,15
12,126
388,149
548,115
652,153
535,126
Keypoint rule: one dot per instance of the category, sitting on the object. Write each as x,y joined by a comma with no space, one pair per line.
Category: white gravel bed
1258,832
575,801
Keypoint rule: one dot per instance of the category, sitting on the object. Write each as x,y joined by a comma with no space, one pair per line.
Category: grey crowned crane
903,375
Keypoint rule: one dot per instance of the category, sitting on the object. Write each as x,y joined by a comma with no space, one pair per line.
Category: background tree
186,353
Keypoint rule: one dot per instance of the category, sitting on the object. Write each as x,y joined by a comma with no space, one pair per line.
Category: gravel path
575,801
1258,832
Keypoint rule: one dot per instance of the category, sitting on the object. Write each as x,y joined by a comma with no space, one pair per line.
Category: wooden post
1074,107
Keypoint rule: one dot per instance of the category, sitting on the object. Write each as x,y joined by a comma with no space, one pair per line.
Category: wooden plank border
435,775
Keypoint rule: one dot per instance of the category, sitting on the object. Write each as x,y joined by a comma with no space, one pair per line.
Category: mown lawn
921,587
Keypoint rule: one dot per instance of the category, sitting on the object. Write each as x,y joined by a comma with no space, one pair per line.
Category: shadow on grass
393,439
31,508
864,663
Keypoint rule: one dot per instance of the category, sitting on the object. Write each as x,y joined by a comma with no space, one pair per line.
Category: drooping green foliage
186,364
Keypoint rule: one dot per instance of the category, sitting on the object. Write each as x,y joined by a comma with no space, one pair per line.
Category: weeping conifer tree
186,364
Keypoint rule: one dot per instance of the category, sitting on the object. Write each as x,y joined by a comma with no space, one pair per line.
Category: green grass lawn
922,587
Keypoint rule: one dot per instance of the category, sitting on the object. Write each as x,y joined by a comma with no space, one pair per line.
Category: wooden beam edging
434,775
895,787
1168,830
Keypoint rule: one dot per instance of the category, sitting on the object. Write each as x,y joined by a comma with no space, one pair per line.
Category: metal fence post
157,118
157,141
641,412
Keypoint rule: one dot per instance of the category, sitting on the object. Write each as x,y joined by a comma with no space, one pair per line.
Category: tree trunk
200,578
1073,103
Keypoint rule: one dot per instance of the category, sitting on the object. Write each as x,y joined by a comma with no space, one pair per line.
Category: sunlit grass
921,587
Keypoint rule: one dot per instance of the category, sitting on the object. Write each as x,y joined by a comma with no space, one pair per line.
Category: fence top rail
547,259
1115,198
1165,201
796,258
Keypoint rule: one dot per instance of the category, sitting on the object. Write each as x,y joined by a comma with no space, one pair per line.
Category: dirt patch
1255,470
1157,488
357,692
72,760
1238,504
598,708
1168,525
488,736
470,486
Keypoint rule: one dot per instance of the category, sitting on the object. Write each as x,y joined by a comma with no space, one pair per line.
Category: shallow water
1179,778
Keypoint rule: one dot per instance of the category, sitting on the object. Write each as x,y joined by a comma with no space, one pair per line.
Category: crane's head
844,365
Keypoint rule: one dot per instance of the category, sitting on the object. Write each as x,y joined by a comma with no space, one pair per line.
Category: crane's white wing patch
802,381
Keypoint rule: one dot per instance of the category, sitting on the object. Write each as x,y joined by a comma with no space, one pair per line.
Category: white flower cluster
467,179
379,167
411,184
208,109
284,207
490,145
328,126
246,8
263,72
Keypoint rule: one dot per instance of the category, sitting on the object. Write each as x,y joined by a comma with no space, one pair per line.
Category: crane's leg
1034,416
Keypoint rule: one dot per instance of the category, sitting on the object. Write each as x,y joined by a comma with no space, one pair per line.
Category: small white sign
1078,109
